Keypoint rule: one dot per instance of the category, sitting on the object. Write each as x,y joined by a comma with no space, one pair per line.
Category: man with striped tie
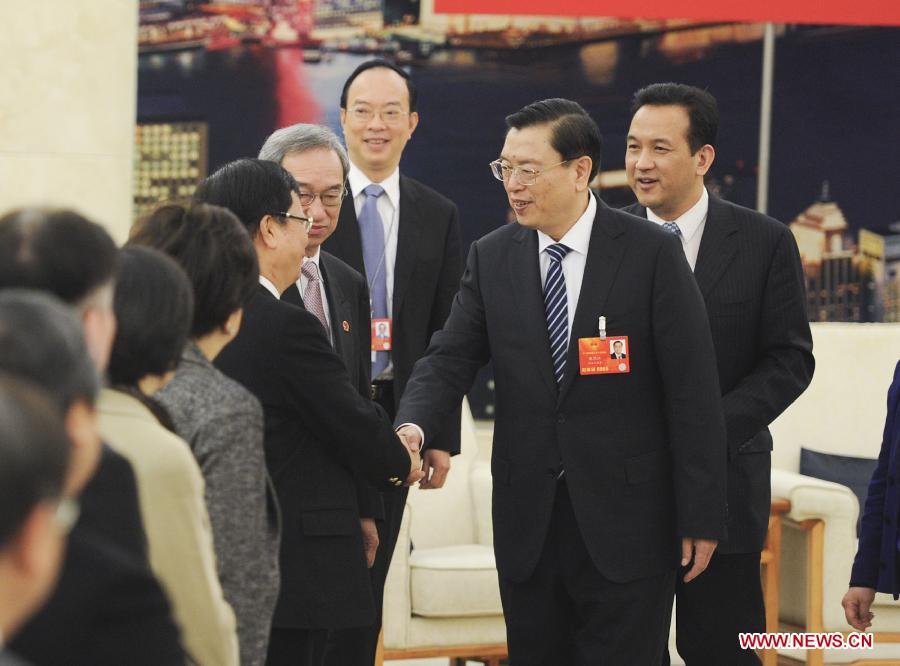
604,481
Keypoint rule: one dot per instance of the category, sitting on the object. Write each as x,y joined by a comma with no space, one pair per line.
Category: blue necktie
673,228
557,309
372,232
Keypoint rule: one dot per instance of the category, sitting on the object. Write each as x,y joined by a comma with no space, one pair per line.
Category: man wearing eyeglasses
606,475
329,288
404,238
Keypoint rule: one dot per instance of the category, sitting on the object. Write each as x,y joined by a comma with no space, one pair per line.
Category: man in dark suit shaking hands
319,432
748,269
604,478
405,239
328,288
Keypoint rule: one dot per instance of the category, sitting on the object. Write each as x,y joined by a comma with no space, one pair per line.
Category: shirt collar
264,281
578,238
314,259
691,220
360,181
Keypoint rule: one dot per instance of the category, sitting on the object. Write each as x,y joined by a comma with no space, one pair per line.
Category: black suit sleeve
448,437
316,384
445,373
785,365
687,364
370,503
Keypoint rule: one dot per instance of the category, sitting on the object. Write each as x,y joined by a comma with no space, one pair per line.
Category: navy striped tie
557,309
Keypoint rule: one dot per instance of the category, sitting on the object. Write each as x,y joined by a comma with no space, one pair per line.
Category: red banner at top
864,12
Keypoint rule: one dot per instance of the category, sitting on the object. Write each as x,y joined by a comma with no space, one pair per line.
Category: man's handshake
412,440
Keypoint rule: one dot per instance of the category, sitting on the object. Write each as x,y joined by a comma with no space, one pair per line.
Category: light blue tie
673,228
372,232
557,309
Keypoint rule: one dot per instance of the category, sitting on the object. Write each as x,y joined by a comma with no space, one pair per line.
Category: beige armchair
442,597
842,412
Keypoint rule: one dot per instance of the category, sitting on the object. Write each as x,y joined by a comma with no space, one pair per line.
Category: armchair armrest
397,609
818,546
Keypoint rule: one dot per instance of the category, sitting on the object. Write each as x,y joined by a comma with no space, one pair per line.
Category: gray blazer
223,424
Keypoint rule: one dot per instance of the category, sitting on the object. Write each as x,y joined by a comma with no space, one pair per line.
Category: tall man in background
748,268
405,238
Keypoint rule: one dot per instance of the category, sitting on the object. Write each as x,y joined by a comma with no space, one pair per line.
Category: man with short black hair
34,515
330,289
600,487
748,269
405,238
320,433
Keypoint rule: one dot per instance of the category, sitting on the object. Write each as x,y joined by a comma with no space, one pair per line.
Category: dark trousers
356,646
715,607
567,612
297,647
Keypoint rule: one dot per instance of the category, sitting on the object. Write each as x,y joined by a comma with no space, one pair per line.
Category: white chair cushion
454,581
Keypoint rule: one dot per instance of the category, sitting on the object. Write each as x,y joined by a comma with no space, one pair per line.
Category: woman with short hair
154,308
220,419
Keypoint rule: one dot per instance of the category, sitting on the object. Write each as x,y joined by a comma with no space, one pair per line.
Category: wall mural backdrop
235,71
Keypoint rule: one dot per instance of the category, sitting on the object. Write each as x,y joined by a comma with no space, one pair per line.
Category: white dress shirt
577,239
264,281
302,282
692,223
389,210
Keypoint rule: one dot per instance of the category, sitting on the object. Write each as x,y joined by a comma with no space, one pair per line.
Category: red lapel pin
346,326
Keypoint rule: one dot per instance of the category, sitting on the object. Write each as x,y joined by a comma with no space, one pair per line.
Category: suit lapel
605,252
525,285
346,241
717,247
407,245
337,304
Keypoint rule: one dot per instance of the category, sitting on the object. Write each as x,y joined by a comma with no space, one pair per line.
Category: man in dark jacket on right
748,269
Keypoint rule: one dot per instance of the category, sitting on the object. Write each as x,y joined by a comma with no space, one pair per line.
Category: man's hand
436,467
700,550
370,539
857,603
412,441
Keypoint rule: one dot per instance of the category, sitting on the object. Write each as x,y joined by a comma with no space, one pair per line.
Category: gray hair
302,137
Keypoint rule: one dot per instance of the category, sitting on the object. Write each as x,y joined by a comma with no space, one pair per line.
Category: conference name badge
604,355
381,335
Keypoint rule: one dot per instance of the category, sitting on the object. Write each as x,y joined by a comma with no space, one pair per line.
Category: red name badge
381,335
604,356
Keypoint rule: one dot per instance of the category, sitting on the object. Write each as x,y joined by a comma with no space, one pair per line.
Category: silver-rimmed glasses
525,175
329,199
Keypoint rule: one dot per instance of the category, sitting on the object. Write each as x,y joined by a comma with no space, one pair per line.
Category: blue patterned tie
557,308
372,232
673,228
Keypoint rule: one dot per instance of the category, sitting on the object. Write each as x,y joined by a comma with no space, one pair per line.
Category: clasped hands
433,469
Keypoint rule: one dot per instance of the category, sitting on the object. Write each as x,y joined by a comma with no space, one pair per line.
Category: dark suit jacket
877,560
426,277
318,431
643,452
348,303
109,505
106,611
749,272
